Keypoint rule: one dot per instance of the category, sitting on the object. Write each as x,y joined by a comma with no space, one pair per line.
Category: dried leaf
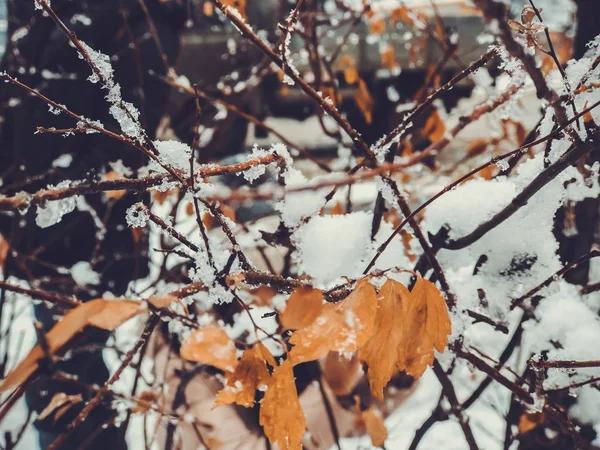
341,373
71,323
401,14
364,101
351,75
379,352
520,132
281,415
209,221
250,373
111,176
160,197
59,400
427,326
115,313
144,402
240,5
477,147
434,127
4,247
372,421
233,281
211,346
263,295
347,65
528,14
162,302
377,26
388,57
189,207
303,307
340,328
517,26
528,421
208,9
487,173
412,323
338,210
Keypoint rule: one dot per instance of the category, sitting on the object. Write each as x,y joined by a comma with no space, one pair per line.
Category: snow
83,274
137,216
329,248
173,154
53,211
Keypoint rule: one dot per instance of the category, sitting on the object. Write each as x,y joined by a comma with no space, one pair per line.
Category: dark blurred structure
39,54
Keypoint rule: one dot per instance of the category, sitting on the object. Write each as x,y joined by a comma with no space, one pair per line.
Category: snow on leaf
281,415
250,373
303,307
211,346
342,327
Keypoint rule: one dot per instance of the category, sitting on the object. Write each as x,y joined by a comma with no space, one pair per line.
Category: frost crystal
137,216
53,212
173,154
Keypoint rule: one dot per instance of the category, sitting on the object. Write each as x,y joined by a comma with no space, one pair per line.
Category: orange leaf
189,208
58,401
412,323
114,314
263,295
281,415
72,322
303,307
388,57
379,352
364,101
341,328
427,326
112,176
250,373
4,247
162,302
377,26
208,9
234,280
434,127
347,65
240,5
209,220
351,75
372,421
342,374
487,173
211,346
160,197
477,147
528,421
401,14
338,210
406,240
